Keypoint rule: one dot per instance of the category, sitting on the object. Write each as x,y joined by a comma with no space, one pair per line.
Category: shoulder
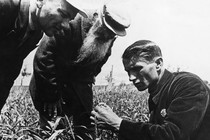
187,77
8,7
8,12
188,83
9,4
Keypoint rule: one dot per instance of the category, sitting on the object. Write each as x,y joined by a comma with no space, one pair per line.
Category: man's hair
145,49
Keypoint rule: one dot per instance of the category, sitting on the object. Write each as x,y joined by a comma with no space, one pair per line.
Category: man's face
141,73
55,15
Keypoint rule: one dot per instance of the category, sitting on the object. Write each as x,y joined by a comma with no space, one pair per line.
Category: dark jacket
16,42
180,110
16,39
54,70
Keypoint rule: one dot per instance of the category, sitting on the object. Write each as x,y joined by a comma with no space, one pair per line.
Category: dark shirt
17,38
179,107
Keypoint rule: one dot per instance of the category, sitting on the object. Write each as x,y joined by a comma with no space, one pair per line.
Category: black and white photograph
104,70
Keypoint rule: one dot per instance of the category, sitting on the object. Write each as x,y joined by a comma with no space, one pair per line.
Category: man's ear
39,3
159,62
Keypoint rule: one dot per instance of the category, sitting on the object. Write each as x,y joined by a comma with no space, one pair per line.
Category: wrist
118,123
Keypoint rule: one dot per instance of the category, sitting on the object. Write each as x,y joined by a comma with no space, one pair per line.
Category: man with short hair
21,27
178,102
65,67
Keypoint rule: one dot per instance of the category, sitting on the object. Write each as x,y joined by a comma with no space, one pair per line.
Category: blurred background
180,28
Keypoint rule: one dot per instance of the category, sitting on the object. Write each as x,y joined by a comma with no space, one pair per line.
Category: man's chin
141,88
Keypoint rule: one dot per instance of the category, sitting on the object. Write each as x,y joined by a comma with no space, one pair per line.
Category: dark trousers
9,71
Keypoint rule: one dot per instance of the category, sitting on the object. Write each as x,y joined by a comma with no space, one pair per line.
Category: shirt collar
154,91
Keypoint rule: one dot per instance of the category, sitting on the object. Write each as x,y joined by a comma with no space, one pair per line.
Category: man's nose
132,77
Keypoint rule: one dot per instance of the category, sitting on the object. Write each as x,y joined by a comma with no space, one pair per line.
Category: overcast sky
180,27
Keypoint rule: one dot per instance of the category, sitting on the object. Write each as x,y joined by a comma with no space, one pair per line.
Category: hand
52,109
104,113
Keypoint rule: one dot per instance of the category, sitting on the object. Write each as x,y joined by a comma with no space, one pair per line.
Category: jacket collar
154,91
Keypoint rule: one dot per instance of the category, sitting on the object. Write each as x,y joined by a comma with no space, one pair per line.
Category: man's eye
137,68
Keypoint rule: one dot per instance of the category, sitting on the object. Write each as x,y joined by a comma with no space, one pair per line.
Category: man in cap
178,102
65,67
21,27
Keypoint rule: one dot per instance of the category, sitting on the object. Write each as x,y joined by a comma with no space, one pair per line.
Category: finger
93,113
49,110
62,101
102,104
55,111
92,123
103,107
93,118
45,108
99,109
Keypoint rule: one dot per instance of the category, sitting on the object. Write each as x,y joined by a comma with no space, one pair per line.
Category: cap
76,4
115,19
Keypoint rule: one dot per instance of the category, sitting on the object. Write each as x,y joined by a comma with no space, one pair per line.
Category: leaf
33,134
55,125
70,127
89,136
80,138
81,128
35,137
19,138
55,134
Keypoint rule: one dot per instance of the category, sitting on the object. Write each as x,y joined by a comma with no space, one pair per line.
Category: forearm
131,130
146,131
